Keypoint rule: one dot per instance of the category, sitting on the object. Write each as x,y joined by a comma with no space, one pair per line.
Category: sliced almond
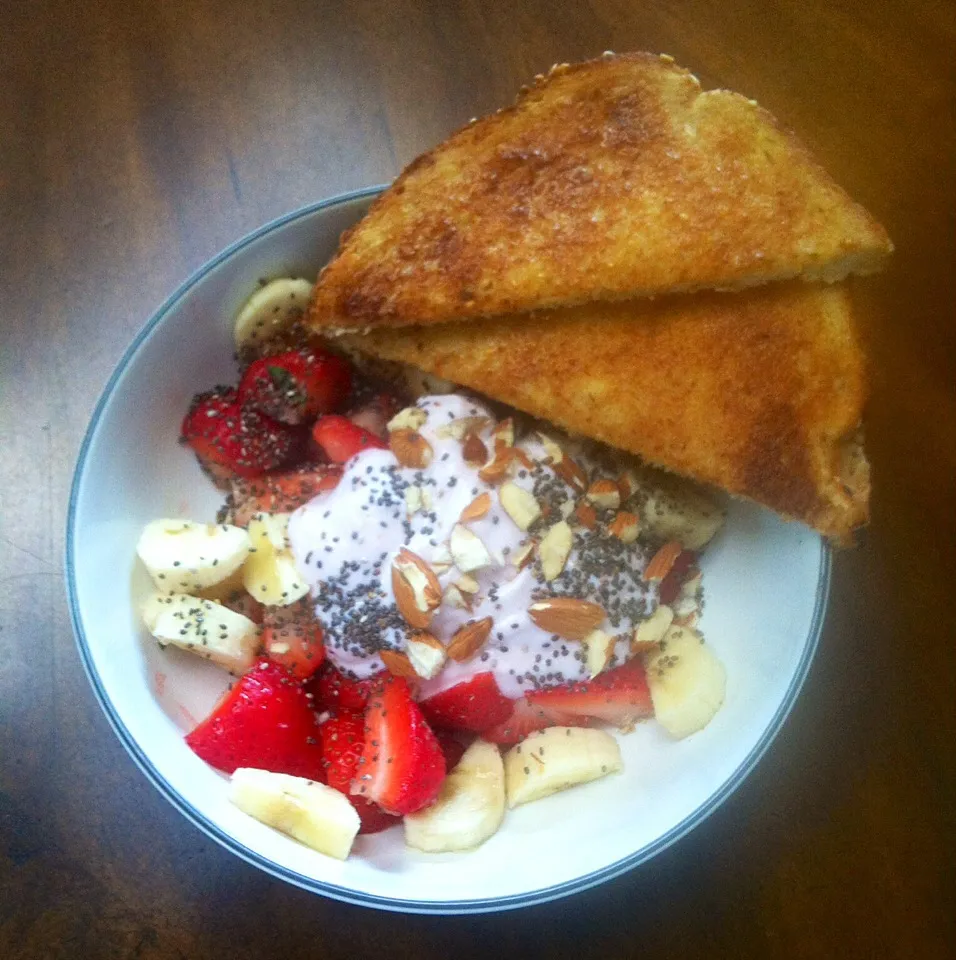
469,639
416,588
474,450
571,474
426,654
411,418
468,584
411,449
599,648
604,494
397,664
504,433
662,561
554,550
460,428
523,555
455,599
625,526
649,633
567,617
413,500
468,549
477,509
519,504
586,515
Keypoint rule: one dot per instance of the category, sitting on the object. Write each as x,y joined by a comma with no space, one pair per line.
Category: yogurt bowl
766,582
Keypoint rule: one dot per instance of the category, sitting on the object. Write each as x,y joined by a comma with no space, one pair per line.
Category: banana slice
469,808
310,812
681,514
558,758
270,573
203,627
185,557
270,309
686,680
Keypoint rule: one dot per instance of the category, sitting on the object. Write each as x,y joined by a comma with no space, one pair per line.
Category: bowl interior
765,587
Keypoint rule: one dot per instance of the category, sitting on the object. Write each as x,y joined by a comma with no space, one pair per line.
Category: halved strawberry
475,705
297,385
619,696
292,638
281,492
332,690
527,718
671,584
264,721
402,766
343,740
243,441
341,439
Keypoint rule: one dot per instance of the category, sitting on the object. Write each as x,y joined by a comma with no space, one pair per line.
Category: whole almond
661,563
411,449
416,588
469,639
477,509
567,617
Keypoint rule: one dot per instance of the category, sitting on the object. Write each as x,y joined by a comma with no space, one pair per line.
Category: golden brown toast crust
608,179
760,393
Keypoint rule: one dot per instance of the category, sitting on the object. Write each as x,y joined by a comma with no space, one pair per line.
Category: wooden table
138,139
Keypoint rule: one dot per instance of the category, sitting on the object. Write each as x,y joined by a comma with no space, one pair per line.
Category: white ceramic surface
766,584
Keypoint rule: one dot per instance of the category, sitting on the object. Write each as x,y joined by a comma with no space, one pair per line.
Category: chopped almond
504,433
571,474
416,588
469,639
456,599
398,664
463,426
411,418
523,556
426,654
468,550
662,561
411,449
624,526
567,617
467,584
477,509
599,648
413,500
649,633
519,504
553,452
604,494
554,550
474,450
586,515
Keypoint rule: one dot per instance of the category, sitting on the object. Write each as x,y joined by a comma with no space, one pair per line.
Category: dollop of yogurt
345,540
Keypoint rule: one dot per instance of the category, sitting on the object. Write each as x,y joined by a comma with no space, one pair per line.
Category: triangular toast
760,393
610,179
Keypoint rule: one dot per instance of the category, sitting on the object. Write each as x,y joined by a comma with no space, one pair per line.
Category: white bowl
766,586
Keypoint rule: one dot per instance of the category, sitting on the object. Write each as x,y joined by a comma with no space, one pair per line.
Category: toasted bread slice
610,179
760,393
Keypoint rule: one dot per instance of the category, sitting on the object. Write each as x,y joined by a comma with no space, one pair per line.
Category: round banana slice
270,309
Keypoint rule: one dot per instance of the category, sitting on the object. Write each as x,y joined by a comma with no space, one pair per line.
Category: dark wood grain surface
137,139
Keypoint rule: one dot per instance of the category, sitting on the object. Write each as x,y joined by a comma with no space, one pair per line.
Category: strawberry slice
264,721
527,718
281,492
402,767
619,696
452,748
296,386
671,584
475,705
241,440
341,439
292,638
332,690
343,740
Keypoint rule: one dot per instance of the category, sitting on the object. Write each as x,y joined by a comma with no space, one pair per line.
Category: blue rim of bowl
449,907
